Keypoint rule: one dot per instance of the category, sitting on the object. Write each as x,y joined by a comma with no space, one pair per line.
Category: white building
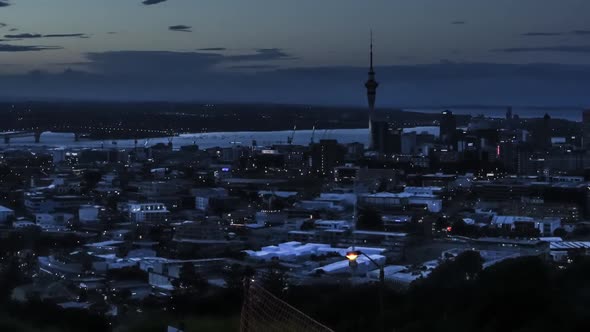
510,221
546,226
290,251
423,191
391,200
5,214
48,219
148,212
58,155
332,224
561,250
88,213
37,203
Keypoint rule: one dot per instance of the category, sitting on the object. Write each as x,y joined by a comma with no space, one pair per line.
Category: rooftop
5,209
564,245
104,244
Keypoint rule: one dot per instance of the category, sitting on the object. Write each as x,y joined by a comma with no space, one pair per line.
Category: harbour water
207,140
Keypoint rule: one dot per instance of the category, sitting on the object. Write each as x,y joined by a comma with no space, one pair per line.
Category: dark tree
87,261
307,225
275,279
234,276
560,232
189,280
370,219
90,179
453,273
11,276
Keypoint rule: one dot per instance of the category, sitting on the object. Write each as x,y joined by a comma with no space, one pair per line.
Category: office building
148,212
448,126
326,155
386,137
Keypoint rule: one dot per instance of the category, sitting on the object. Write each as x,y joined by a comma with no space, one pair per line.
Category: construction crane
290,138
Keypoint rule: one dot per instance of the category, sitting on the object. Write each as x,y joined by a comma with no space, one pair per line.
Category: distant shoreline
571,114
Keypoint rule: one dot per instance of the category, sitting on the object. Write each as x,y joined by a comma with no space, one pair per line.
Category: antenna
371,50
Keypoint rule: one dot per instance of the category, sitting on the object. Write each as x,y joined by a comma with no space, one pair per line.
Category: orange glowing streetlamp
352,255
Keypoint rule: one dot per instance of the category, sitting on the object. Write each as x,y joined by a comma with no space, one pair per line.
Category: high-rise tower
371,86
448,126
586,127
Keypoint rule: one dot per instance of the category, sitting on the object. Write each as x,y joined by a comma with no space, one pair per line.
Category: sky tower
371,86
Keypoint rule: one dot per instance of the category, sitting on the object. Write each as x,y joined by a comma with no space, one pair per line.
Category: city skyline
265,165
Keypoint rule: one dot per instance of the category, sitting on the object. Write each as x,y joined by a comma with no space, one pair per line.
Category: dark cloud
26,48
24,35
3,25
554,34
180,27
459,22
176,66
65,35
4,3
213,49
262,54
13,29
36,35
77,64
542,34
152,2
163,62
562,49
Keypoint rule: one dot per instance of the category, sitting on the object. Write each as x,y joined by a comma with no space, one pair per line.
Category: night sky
428,52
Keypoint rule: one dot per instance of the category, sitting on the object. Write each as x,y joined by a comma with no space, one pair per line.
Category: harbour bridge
83,132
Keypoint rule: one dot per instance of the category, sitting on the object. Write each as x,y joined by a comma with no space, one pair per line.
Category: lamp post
352,257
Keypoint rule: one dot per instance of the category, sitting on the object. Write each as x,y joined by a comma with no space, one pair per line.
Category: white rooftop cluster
290,251
293,251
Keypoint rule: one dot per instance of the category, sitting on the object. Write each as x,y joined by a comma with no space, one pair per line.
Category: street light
352,257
